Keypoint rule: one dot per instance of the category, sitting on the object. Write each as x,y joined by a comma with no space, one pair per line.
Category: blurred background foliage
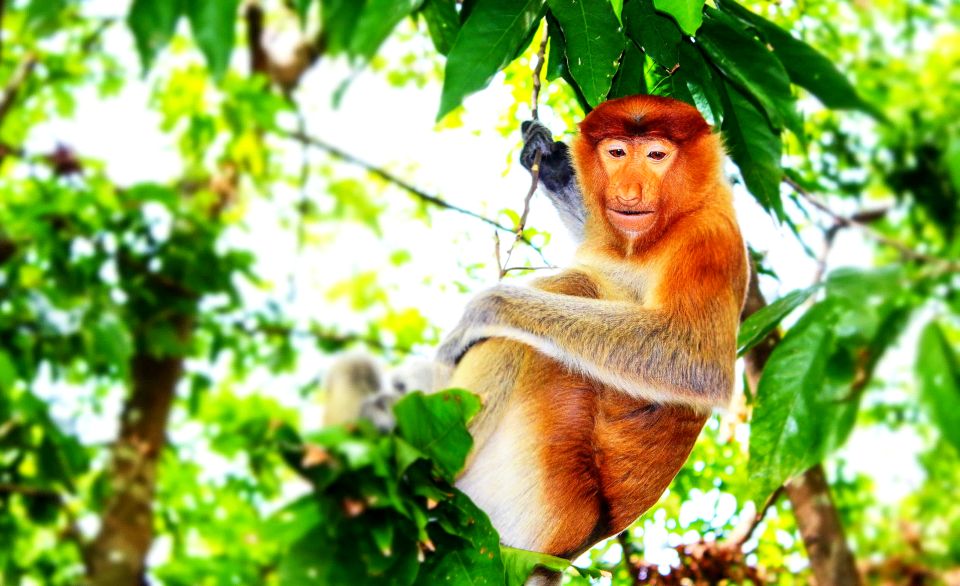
202,202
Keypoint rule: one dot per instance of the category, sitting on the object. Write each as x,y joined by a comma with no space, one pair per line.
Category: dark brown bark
831,560
117,555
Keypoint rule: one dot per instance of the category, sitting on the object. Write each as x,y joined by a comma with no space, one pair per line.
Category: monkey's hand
556,175
481,313
556,170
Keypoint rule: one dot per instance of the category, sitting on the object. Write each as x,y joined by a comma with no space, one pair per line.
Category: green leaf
8,372
468,548
703,86
443,23
617,8
292,522
317,559
807,67
111,343
436,424
376,22
518,564
757,326
43,15
153,23
801,413
656,34
490,37
751,67
557,52
594,43
213,23
339,20
630,79
952,159
755,148
938,371
687,13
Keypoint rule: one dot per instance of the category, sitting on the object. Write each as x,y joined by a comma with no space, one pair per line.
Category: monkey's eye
657,155
617,153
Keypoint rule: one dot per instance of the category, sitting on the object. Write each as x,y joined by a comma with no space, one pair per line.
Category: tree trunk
817,518
117,555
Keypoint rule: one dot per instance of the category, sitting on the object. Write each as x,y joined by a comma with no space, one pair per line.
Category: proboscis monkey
597,381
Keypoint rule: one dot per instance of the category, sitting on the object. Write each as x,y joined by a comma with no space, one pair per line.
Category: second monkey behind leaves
597,381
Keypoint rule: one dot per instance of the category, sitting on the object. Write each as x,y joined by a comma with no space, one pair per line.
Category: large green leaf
594,43
807,67
757,326
656,34
687,13
630,79
702,84
489,38
751,67
152,23
436,425
376,22
443,23
213,25
938,370
801,412
755,148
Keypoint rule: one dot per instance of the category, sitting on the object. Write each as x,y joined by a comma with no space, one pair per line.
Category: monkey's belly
569,462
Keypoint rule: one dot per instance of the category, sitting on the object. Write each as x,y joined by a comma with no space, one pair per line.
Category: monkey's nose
630,199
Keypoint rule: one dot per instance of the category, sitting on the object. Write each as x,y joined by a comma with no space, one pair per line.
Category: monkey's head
642,162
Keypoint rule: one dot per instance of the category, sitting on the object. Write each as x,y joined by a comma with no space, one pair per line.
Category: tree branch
391,178
860,224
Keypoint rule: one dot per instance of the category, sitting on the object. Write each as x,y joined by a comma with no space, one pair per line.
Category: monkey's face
635,169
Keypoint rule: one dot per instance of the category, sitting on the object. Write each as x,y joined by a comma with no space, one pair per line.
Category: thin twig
19,77
541,58
535,170
902,248
391,178
518,233
543,268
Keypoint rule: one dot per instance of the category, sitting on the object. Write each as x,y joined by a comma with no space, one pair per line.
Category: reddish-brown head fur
632,197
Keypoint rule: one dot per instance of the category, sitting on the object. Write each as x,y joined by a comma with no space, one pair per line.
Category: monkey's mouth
631,212
631,221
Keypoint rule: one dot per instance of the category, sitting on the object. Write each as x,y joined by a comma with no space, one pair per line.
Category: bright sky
394,129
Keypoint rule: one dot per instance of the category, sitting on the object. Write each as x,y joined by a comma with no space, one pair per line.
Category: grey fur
358,387
557,178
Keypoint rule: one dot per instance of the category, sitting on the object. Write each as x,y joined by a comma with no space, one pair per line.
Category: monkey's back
560,461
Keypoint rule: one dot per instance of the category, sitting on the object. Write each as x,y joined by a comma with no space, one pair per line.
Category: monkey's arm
658,355
558,180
